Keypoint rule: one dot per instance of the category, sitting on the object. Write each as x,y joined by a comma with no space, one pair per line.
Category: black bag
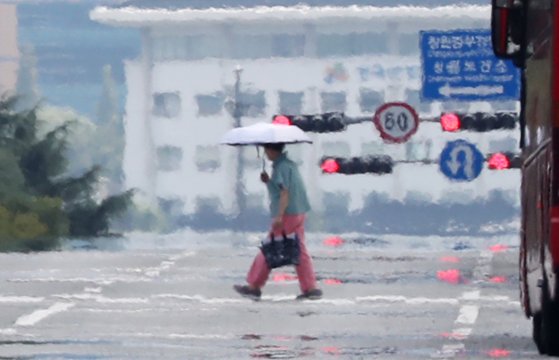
281,251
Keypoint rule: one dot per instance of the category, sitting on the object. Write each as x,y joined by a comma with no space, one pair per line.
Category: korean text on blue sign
460,65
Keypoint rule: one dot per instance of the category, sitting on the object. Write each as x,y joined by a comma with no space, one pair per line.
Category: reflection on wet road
170,297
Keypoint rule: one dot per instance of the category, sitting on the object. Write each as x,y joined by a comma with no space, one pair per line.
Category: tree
38,200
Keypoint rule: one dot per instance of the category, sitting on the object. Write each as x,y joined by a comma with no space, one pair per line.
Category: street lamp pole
238,110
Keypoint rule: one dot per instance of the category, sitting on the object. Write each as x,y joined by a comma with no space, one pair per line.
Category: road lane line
39,315
468,315
21,299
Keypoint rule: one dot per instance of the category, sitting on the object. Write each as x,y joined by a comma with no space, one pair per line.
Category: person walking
288,206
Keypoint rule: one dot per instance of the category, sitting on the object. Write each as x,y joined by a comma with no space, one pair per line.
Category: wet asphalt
171,297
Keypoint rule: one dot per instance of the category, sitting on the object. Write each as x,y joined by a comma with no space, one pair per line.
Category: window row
207,158
253,103
256,46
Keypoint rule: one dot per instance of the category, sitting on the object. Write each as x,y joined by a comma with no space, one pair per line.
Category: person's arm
283,202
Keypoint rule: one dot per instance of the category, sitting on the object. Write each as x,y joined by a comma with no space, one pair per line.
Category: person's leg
259,272
305,270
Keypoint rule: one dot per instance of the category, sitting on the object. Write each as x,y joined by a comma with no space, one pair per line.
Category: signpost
396,121
461,161
460,65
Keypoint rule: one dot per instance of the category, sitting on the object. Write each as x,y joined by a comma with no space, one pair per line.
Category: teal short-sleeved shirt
285,174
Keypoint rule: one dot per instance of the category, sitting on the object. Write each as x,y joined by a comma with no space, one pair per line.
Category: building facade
294,60
9,52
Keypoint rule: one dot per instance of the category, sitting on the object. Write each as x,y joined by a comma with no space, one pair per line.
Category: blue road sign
460,65
461,161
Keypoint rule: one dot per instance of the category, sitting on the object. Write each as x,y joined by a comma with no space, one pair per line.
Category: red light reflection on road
450,259
498,279
332,281
451,276
453,336
332,350
280,277
334,241
498,353
498,248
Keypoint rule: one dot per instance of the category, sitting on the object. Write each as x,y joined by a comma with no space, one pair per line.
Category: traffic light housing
479,122
503,161
357,165
320,123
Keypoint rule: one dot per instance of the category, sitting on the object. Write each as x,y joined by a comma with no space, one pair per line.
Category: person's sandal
314,294
248,292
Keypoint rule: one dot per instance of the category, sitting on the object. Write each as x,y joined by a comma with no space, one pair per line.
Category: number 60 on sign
396,121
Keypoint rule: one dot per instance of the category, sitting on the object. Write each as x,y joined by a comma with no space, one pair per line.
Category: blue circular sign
461,161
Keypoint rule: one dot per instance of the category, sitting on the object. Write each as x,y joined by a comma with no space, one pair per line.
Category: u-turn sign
461,161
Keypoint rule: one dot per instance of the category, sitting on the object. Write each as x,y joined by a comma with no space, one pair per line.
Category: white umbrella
265,133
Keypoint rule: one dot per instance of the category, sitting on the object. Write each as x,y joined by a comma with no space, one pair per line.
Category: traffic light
479,122
356,165
320,123
503,161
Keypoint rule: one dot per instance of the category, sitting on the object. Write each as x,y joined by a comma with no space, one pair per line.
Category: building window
419,151
169,158
372,148
167,104
333,101
414,99
171,206
408,43
251,46
193,47
370,100
353,44
253,103
503,145
207,158
286,45
209,105
208,204
336,148
290,103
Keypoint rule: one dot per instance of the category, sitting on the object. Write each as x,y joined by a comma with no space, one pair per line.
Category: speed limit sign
396,121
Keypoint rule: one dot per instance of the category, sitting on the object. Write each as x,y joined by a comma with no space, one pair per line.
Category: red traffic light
450,122
499,161
330,166
281,120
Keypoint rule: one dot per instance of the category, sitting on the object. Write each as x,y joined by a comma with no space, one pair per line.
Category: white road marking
468,315
165,265
8,331
38,315
101,299
21,299
468,312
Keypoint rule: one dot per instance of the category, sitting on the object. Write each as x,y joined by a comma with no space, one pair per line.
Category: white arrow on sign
483,90
454,164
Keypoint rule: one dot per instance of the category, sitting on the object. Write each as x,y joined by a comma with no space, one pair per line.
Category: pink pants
259,271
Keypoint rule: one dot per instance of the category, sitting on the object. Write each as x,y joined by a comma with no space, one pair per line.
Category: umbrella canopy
265,133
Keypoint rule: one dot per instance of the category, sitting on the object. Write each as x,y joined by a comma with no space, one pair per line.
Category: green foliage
39,202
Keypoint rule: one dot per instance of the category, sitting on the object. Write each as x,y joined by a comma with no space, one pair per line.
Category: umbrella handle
263,160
